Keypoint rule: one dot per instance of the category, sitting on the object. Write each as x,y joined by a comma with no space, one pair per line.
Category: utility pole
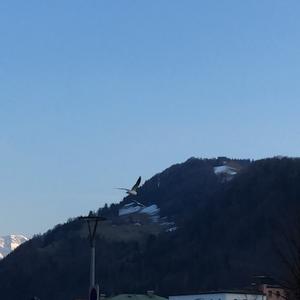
93,221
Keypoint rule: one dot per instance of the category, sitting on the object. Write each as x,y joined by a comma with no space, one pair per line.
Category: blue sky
95,93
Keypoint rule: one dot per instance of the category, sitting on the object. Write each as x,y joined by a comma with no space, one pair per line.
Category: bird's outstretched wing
123,189
135,187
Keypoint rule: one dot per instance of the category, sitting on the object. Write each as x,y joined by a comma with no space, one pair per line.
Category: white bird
133,190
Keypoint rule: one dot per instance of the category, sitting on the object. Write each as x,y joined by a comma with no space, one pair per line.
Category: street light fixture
93,221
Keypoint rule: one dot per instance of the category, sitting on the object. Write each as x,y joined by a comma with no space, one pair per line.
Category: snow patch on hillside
225,170
152,211
171,229
129,208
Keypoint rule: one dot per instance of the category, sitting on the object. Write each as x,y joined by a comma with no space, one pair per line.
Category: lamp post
93,221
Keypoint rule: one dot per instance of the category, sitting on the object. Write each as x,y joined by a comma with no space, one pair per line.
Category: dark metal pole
92,269
92,222
92,235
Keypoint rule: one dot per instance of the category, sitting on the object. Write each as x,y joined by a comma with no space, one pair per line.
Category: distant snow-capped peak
9,243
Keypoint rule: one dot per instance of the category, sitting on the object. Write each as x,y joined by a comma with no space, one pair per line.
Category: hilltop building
223,295
149,296
273,292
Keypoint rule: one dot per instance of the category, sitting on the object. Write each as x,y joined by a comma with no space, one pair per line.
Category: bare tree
288,250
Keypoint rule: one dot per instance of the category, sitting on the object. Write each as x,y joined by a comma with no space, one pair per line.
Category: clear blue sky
95,93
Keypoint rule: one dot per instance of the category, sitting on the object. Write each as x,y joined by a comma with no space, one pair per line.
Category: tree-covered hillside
228,229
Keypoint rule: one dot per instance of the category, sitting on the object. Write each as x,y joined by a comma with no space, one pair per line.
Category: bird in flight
133,190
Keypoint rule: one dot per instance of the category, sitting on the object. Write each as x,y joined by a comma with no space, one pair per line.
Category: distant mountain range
204,224
9,243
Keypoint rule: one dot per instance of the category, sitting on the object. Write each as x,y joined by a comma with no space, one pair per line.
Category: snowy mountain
9,243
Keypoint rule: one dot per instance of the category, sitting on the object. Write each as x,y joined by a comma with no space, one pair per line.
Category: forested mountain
228,220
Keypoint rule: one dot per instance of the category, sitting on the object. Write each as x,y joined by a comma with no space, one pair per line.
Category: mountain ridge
225,234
